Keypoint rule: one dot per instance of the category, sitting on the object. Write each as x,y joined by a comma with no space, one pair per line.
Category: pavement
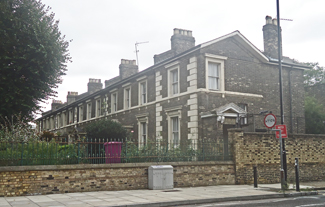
172,197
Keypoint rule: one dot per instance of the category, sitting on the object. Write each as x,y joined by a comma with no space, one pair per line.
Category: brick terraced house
191,92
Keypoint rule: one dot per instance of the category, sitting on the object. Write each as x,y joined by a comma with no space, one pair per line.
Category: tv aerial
136,50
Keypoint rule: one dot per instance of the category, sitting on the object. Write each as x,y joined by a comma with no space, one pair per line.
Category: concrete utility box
160,177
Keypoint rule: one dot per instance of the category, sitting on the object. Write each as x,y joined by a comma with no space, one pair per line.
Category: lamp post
281,90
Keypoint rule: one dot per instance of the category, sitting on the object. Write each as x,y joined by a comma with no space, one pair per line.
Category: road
304,201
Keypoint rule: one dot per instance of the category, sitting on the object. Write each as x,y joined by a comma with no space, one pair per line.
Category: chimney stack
182,40
71,97
94,85
127,68
56,104
270,36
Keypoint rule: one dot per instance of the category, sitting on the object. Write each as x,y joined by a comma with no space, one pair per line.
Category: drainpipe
290,100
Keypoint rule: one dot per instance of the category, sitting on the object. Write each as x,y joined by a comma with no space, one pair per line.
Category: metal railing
100,151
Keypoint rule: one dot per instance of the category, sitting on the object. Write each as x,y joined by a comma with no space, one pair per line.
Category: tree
315,75
314,116
33,56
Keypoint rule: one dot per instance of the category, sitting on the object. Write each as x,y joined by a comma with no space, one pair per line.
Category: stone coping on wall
293,135
105,166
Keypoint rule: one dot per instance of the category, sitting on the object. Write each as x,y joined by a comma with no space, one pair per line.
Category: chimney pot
275,21
176,31
268,20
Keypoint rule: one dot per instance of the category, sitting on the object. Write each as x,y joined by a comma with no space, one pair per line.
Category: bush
156,153
37,153
106,128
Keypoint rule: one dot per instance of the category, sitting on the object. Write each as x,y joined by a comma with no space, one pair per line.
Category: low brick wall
34,180
263,150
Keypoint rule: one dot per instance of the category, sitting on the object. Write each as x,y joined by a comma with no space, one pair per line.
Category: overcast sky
105,31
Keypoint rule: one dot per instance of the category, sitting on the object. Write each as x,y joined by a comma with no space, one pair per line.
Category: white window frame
59,120
98,108
174,131
243,120
64,118
143,93
89,106
44,125
114,101
127,98
171,115
220,60
142,136
52,122
70,116
171,82
75,119
81,113
214,77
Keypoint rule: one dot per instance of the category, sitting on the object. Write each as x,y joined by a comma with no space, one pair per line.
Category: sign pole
281,159
280,82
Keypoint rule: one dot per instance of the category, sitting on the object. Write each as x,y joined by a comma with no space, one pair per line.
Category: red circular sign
270,120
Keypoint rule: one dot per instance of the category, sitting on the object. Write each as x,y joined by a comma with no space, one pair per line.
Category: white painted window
55,119
127,98
113,102
75,119
81,113
89,110
70,116
142,130
173,81
98,108
143,133
64,121
215,72
44,125
59,120
175,131
214,76
143,92
243,120
52,122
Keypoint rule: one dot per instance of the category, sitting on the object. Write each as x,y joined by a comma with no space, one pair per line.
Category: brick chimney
127,68
94,85
71,97
56,104
182,40
270,36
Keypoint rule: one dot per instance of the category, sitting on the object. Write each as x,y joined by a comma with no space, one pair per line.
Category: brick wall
262,150
34,180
